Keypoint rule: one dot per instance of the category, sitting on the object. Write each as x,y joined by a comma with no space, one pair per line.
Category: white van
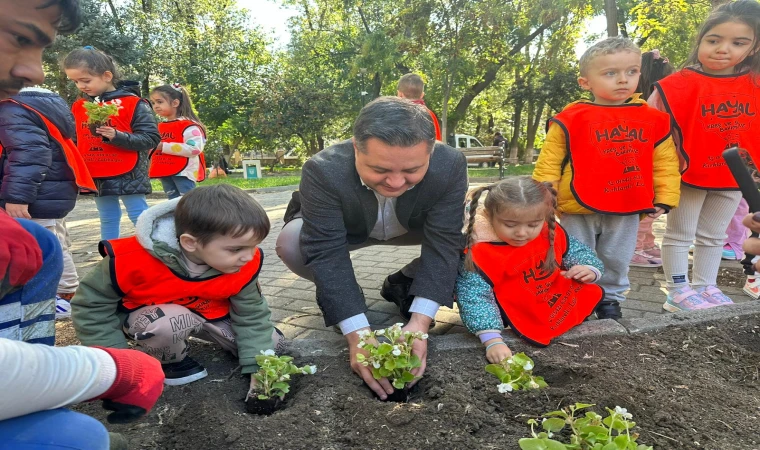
465,141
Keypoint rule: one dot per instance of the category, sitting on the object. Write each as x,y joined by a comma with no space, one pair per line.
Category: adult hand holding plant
419,323
381,387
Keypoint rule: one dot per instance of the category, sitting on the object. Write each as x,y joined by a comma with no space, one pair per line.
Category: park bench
494,154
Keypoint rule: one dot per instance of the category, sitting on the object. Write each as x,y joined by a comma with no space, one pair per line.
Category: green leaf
610,446
376,373
360,357
407,377
415,362
540,444
263,397
390,364
384,373
562,414
616,424
398,384
583,405
520,359
281,385
384,348
554,425
497,371
622,441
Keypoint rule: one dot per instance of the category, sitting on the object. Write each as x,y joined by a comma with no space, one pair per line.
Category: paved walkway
292,300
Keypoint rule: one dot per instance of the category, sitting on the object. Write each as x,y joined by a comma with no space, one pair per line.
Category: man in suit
390,184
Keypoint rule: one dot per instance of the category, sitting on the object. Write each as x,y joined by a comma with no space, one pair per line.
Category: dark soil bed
688,388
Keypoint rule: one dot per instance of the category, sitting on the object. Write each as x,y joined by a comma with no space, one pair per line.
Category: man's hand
419,322
107,132
658,211
17,211
20,254
497,353
382,387
581,273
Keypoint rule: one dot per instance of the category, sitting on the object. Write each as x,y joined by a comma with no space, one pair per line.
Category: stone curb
590,329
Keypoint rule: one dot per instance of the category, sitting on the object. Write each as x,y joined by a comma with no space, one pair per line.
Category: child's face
163,106
90,84
724,46
224,253
518,226
612,78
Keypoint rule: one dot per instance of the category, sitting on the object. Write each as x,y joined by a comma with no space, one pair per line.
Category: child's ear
583,83
188,242
175,103
107,76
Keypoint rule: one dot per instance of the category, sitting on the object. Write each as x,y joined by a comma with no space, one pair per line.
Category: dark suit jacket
338,210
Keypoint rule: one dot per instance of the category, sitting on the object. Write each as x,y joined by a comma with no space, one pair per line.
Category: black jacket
143,139
338,210
33,167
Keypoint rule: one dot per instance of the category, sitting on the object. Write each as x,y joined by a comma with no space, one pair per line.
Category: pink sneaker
654,251
642,259
714,296
685,299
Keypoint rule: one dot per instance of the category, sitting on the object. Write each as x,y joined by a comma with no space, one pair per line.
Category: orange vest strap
105,160
73,157
712,113
167,165
141,279
611,150
537,304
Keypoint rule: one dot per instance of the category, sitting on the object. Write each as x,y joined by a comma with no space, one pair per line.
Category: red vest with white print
165,164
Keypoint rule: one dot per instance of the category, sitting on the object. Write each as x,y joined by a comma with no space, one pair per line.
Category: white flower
396,352
376,365
509,361
311,370
380,332
398,325
363,333
528,365
504,388
533,384
623,413
424,336
269,352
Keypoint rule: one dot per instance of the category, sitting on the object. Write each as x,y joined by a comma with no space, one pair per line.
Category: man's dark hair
219,210
396,121
71,14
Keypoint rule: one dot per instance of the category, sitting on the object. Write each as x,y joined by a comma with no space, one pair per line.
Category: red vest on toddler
141,279
168,165
538,305
611,150
713,113
106,160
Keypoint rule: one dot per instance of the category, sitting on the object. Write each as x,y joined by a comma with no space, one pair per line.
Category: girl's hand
107,132
497,353
253,389
581,273
658,211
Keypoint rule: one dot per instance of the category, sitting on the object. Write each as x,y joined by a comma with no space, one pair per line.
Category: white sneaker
62,308
752,288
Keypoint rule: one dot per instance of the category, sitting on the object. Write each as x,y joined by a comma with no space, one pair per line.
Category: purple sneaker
714,296
685,299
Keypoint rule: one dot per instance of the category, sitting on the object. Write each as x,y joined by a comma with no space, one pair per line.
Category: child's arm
94,309
667,179
29,156
192,145
580,255
553,154
480,314
144,135
250,318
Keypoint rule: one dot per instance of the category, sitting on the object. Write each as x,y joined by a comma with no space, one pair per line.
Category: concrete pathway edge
590,329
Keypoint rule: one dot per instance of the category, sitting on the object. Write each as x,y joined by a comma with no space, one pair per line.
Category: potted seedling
516,373
272,382
98,113
390,356
590,431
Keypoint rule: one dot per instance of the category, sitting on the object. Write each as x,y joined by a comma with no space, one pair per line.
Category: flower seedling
98,113
389,355
588,432
516,373
272,381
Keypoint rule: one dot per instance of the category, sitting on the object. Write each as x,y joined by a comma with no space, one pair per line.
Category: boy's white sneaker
62,308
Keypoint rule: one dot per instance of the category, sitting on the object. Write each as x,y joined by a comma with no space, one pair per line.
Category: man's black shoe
609,310
398,293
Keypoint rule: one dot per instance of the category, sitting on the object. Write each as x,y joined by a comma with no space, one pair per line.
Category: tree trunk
610,10
447,81
535,114
514,144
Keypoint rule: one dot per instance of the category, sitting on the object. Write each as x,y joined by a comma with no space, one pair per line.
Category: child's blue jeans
54,429
28,313
177,186
110,212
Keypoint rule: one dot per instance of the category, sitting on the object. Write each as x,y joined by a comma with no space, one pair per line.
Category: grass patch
241,182
522,169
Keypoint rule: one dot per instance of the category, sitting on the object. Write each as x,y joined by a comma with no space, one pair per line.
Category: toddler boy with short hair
190,270
611,160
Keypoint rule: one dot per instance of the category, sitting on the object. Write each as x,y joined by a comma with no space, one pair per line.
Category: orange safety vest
712,113
538,306
167,165
73,157
141,279
106,160
432,116
611,151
